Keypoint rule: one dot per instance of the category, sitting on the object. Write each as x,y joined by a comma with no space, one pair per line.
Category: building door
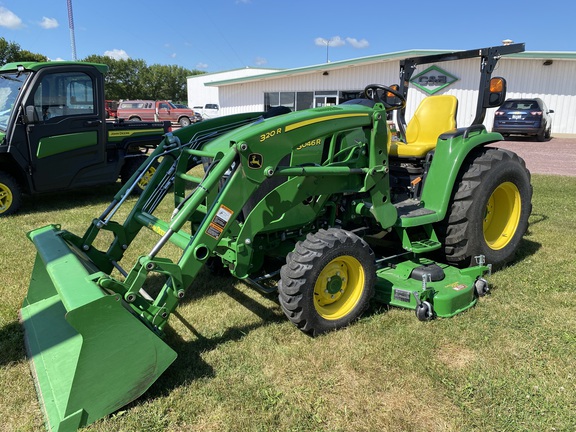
325,100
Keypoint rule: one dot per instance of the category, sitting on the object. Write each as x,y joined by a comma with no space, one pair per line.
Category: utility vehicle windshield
10,84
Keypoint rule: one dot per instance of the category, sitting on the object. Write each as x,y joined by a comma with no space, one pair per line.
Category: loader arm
243,161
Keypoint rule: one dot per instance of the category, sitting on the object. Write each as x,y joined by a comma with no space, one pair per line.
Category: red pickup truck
149,110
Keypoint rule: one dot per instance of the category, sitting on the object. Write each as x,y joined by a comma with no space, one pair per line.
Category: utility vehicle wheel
489,211
184,121
10,195
131,166
327,281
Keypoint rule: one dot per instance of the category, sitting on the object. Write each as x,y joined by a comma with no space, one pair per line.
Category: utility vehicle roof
35,66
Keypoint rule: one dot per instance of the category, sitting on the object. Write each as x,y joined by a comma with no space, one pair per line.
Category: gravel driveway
557,156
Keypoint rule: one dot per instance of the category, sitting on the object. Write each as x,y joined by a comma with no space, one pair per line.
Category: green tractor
319,205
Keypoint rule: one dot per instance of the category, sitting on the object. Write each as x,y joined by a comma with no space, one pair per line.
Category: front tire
327,281
184,121
489,211
10,195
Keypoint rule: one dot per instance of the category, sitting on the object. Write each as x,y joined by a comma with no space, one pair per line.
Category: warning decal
219,222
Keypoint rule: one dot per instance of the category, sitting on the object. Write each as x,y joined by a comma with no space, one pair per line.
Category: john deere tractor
320,206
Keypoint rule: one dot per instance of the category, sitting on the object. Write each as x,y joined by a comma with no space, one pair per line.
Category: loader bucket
89,354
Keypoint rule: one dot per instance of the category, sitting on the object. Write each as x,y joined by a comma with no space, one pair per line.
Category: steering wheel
378,93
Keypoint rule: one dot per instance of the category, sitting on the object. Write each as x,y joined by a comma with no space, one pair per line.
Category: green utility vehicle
319,206
54,135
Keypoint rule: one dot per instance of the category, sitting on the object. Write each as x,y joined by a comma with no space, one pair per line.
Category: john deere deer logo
255,161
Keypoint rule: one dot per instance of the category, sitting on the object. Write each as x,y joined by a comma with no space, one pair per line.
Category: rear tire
541,137
489,210
327,281
10,195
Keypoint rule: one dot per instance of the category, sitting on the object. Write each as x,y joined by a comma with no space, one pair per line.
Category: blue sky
219,35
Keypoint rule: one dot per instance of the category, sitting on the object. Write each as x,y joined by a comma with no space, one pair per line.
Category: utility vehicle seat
434,116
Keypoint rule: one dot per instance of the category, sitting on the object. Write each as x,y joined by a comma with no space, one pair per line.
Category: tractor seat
434,116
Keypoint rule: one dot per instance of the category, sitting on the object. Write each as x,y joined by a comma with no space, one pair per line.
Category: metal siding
200,94
555,84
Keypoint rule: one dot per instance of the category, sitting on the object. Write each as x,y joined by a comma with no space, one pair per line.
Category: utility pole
71,26
327,43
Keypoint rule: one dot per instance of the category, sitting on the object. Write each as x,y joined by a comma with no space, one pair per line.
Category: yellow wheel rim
339,287
146,177
5,198
502,216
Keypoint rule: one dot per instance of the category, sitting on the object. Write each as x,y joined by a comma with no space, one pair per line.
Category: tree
126,79
166,82
134,79
122,80
11,52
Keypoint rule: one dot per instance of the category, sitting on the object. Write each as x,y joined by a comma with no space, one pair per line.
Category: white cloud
260,61
173,55
117,54
201,66
9,19
335,41
48,23
363,43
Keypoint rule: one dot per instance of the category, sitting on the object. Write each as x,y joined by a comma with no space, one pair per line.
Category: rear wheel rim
5,197
502,216
339,287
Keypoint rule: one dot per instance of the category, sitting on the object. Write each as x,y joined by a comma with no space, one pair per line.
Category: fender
451,151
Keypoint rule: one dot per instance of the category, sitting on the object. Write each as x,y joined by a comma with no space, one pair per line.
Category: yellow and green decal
303,123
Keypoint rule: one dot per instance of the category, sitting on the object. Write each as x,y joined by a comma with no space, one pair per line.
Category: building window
287,99
271,100
350,94
298,101
304,100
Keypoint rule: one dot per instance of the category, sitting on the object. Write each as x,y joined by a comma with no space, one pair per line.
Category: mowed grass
505,365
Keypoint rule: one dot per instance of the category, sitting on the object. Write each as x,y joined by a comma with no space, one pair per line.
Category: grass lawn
505,365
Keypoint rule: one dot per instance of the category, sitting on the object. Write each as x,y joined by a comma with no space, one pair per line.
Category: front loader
319,205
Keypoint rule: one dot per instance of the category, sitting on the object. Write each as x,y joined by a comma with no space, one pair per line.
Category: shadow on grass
526,249
56,201
189,365
11,343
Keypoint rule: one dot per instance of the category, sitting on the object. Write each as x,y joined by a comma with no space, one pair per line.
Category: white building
202,92
548,75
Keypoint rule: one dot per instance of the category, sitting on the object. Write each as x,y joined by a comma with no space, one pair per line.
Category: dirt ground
557,156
